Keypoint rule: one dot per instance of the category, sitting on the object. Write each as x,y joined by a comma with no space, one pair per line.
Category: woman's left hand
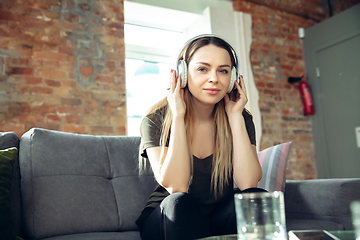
233,108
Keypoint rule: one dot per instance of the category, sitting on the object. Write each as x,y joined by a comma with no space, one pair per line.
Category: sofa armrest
322,199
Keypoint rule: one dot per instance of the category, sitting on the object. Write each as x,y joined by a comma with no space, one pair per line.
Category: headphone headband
182,65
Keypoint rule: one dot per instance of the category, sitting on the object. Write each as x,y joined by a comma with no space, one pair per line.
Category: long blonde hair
222,157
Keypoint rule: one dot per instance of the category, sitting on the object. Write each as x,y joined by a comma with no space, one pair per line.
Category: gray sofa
73,186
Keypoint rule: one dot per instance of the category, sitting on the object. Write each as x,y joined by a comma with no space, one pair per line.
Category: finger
243,84
173,80
238,87
178,82
241,88
242,94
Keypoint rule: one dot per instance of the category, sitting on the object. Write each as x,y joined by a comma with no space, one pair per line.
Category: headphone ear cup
182,72
233,78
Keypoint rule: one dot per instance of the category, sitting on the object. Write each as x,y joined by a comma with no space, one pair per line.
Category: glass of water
355,215
261,216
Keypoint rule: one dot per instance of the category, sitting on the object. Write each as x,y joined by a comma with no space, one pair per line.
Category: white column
235,27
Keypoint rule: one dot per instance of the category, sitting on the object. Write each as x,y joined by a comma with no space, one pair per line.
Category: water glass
355,215
260,216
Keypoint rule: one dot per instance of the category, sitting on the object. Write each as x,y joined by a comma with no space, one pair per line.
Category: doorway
332,59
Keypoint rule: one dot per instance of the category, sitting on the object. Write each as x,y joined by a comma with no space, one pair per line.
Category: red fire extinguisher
306,98
305,94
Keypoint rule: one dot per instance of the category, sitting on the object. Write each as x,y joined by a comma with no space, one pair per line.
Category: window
153,38
146,84
150,55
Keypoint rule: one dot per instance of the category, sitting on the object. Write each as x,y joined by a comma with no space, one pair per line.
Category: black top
200,186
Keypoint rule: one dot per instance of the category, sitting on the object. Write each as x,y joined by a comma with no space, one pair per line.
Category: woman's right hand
175,96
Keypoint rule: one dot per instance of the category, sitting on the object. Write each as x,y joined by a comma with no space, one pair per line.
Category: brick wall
277,54
62,66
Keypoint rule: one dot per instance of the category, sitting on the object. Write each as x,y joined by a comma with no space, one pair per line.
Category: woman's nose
213,76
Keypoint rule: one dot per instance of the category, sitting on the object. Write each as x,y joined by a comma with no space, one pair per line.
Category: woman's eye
201,69
224,71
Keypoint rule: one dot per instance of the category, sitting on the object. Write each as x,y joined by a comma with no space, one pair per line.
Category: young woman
199,140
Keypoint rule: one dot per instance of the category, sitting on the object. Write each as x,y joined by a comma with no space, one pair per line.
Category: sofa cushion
273,164
7,160
75,183
8,140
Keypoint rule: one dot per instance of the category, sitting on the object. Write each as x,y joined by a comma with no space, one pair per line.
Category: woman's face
209,72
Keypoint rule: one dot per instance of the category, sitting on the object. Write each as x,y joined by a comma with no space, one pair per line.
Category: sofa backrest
322,199
74,183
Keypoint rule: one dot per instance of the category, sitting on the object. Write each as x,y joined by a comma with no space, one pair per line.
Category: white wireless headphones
182,66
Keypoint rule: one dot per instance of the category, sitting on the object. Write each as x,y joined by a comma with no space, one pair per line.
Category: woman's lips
212,91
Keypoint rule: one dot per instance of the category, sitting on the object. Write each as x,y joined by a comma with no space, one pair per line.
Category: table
223,237
343,235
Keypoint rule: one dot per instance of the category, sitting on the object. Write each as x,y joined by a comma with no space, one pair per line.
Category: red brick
30,22
285,112
74,128
51,74
33,80
286,67
45,39
116,25
42,109
110,65
71,59
11,127
19,70
50,64
71,17
270,85
72,119
107,79
54,117
68,83
32,118
102,130
115,9
50,56
69,110
71,102
66,50
86,70
121,130
107,111
52,83
34,89
3,42
9,16
115,33
271,92
260,84
71,75
262,12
